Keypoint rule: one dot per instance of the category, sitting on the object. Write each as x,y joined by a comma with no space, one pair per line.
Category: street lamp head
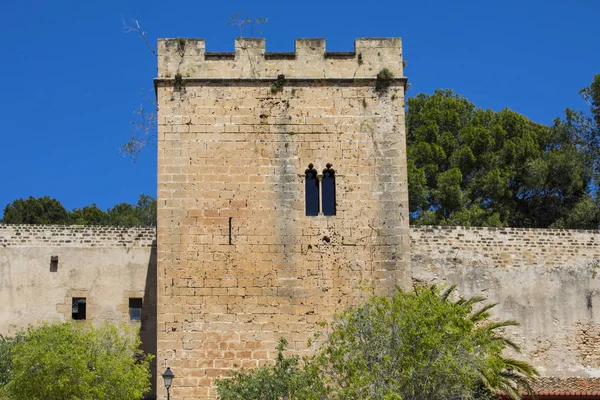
168,376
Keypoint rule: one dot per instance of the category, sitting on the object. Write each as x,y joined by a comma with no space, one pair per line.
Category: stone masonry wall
239,263
75,236
104,265
543,278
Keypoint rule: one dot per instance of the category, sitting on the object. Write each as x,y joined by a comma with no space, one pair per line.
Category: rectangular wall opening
53,263
135,309
311,190
328,186
78,308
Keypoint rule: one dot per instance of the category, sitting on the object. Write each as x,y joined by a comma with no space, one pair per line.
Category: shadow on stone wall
148,328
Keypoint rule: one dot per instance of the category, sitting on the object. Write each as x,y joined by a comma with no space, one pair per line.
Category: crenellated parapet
189,59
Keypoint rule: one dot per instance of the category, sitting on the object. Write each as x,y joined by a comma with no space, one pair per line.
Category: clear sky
71,78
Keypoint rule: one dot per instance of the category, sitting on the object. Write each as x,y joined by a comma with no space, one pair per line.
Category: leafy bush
7,343
420,345
289,378
78,361
415,345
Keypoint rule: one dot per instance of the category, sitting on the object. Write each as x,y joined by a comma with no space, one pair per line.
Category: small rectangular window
135,309
53,263
78,308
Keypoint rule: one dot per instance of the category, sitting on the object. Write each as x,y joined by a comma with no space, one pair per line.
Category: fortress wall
239,263
543,278
105,265
75,236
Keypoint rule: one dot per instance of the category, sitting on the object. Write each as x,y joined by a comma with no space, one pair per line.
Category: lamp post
168,376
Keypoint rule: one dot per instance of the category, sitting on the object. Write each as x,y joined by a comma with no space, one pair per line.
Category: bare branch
240,21
143,131
137,28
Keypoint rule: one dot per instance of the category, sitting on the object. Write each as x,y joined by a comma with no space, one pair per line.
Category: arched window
311,189
328,186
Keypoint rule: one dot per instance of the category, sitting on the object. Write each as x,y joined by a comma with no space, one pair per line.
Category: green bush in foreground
79,361
7,343
289,378
413,346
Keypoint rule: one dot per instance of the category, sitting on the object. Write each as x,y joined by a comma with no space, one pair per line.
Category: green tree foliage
146,210
46,211
88,215
420,345
142,214
7,343
583,132
289,378
78,361
417,345
475,167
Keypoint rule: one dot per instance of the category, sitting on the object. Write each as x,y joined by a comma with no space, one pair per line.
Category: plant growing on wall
241,22
277,86
384,78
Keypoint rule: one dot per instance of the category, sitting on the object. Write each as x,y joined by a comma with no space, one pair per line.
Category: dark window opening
311,190
328,188
78,308
135,309
53,263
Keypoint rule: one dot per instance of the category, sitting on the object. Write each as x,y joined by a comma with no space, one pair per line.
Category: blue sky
72,78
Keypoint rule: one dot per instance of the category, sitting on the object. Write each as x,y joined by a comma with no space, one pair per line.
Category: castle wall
543,278
239,263
104,265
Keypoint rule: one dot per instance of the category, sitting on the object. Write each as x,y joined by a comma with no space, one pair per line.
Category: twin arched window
319,200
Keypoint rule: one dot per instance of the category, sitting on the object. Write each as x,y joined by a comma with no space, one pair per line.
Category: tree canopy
416,345
469,166
49,211
44,210
79,361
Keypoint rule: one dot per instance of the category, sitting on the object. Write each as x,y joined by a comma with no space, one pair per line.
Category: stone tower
254,243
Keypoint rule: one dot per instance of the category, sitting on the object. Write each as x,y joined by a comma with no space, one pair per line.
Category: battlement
250,60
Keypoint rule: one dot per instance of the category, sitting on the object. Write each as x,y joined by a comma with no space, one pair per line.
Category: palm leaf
483,313
447,292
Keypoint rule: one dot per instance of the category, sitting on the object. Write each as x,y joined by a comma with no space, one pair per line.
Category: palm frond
509,343
519,366
509,390
447,292
501,324
518,382
470,301
483,313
